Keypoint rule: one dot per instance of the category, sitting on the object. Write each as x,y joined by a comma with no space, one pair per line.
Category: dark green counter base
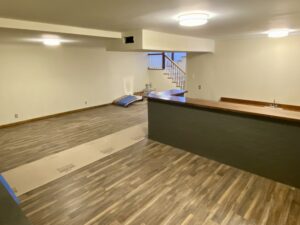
267,147
10,212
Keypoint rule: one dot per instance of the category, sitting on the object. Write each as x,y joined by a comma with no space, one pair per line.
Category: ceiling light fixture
193,19
51,41
278,33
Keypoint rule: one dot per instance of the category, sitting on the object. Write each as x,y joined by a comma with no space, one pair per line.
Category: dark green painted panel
267,147
10,213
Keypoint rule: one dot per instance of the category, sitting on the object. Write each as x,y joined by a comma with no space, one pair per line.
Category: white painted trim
48,27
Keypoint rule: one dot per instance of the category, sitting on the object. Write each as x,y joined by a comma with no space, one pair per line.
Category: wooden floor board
154,184
32,141
148,183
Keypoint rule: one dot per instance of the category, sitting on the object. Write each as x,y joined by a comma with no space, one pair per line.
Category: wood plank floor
151,184
28,142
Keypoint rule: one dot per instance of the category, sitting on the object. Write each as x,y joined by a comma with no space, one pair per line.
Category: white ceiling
233,17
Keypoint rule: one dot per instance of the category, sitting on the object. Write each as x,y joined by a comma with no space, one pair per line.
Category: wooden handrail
176,65
174,72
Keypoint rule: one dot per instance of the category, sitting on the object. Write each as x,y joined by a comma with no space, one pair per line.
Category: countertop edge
283,115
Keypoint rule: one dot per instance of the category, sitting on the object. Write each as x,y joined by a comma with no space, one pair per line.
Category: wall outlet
199,87
16,116
86,102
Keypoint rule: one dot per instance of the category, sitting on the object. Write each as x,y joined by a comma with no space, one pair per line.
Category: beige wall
160,81
147,40
259,69
119,44
37,81
159,41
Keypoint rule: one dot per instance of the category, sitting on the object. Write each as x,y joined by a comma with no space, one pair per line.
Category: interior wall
160,81
160,41
257,69
37,81
120,45
147,40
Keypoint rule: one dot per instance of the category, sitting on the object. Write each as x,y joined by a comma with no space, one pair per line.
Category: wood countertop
172,97
168,93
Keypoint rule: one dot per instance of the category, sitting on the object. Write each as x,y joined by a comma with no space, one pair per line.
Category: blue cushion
9,190
126,100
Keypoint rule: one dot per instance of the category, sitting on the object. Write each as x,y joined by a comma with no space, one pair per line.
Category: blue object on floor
9,190
127,100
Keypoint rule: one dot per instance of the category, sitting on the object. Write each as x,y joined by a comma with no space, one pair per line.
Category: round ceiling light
278,33
51,41
193,19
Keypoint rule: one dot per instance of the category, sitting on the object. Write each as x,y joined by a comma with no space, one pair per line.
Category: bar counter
261,140
10,212
175,97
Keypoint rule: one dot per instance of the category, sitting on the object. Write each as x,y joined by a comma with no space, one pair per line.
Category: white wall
160,81
147,40
37,81
119,44
182,63
159,41
257,69
55,28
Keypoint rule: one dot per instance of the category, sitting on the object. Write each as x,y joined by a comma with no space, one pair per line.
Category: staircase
174,72
171,69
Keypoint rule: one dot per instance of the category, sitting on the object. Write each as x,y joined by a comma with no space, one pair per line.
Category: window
156,60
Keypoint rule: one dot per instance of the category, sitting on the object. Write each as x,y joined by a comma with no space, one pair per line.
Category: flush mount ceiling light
193,19
278,33
51,41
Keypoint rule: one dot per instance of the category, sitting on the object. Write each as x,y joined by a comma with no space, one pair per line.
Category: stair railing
174,71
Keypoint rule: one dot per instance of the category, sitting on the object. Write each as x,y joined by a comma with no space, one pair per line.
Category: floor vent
66,168
107,150
137,138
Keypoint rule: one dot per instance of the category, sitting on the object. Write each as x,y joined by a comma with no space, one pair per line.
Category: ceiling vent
129,40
